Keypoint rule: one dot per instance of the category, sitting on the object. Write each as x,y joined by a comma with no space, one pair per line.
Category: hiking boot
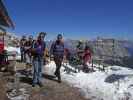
40,84
59,81
56,74
33,85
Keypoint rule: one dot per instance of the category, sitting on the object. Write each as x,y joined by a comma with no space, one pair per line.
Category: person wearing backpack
38,59
57,51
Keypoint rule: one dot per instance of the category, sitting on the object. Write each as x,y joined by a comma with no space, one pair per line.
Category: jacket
39,48
57,49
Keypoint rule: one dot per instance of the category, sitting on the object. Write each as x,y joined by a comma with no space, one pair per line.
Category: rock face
109,49
128,45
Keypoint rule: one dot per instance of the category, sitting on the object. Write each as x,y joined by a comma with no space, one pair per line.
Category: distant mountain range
130,49
128,45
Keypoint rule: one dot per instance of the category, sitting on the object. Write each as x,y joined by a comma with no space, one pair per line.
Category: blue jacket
57,49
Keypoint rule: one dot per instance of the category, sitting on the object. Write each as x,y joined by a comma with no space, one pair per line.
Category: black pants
23,58
58,62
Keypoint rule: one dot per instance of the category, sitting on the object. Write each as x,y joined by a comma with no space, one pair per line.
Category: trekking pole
92,64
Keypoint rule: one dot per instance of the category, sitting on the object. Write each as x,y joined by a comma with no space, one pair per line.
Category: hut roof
4,17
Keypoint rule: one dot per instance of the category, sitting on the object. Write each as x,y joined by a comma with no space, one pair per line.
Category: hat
42,33
30,37
59,36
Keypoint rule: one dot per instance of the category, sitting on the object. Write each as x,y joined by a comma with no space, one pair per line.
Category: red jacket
1,46
87,55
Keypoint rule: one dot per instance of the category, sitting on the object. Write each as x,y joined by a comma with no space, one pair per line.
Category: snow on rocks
114,84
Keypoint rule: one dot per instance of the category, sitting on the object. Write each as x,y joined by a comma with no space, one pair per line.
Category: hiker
38,53
28,46
57,51
86,57
22,48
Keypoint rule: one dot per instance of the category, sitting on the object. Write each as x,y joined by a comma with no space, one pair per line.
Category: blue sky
78,19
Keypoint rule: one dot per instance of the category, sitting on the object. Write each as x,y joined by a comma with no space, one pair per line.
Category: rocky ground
19,88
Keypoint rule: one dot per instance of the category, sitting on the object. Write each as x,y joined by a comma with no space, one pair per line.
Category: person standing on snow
57,51
38,59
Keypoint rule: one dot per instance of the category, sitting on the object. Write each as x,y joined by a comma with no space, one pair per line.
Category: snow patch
113,84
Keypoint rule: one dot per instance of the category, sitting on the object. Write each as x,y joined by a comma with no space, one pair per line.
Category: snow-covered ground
116,83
